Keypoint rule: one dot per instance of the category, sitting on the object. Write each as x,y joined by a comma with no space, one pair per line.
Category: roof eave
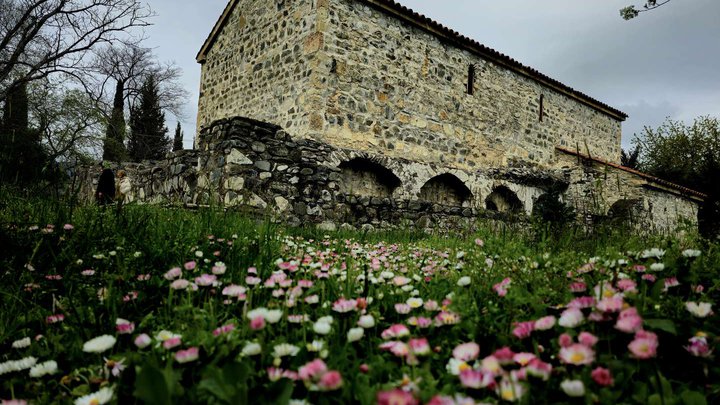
449,35
657,182
201,57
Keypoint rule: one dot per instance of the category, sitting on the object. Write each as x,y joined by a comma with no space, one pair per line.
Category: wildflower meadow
168,306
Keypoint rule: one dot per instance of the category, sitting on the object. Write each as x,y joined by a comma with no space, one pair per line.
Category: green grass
120,245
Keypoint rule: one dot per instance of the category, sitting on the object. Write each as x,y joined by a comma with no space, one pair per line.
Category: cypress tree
113,147
22,159
15,111
178,140
148,138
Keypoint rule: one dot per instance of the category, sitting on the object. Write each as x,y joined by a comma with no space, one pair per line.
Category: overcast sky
665,63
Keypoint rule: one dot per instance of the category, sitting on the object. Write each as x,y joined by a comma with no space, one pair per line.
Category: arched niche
446,189
626,211
364,177
502,199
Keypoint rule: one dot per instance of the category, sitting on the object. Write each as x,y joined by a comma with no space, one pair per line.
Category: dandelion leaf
155,386
228,384
664,325
693,398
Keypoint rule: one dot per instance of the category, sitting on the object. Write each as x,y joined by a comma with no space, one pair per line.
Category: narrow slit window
542,107
471,80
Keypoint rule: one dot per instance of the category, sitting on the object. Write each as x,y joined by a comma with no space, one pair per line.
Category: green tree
70,124
22,159
148,138
629,159
630,12
129,66
178,140
113,145
688,155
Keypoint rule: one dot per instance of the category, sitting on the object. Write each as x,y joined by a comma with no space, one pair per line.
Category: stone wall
397,90
260,64
173,179
605,193
350,75
247,164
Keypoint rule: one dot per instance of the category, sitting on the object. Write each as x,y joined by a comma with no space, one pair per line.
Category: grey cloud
644,114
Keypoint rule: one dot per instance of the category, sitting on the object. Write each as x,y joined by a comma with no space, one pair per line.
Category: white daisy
285,349
96,398
21,344
43,369
99,344
251,349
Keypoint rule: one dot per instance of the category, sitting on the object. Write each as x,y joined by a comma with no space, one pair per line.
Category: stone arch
446,189
551,207
365,177
627,211
502,199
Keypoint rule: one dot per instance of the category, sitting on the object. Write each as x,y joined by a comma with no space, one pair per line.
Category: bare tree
129,66
39,38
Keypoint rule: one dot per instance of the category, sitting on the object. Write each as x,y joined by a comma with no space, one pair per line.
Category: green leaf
81,390
693,398
665,325
363,393
214,383
228,384
655,399
284,389
641,393
155,386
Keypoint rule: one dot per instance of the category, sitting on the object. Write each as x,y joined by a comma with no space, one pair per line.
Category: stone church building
365,112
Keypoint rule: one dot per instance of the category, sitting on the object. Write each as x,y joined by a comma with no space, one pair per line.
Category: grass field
169,306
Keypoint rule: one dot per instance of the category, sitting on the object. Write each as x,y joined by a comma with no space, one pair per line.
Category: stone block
327,226
300,208
235,183
282,204
263,165
315,210
258,147
235,157
313,42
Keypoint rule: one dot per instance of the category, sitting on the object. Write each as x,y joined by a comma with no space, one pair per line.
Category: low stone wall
173,179
602,193
256,166
250,163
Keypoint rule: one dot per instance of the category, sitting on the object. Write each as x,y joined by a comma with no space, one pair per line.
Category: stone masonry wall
393,89
600,191
350,75
251,165
259,65
173,179
248,163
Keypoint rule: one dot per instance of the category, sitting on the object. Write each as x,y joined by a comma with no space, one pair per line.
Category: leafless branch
39,38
